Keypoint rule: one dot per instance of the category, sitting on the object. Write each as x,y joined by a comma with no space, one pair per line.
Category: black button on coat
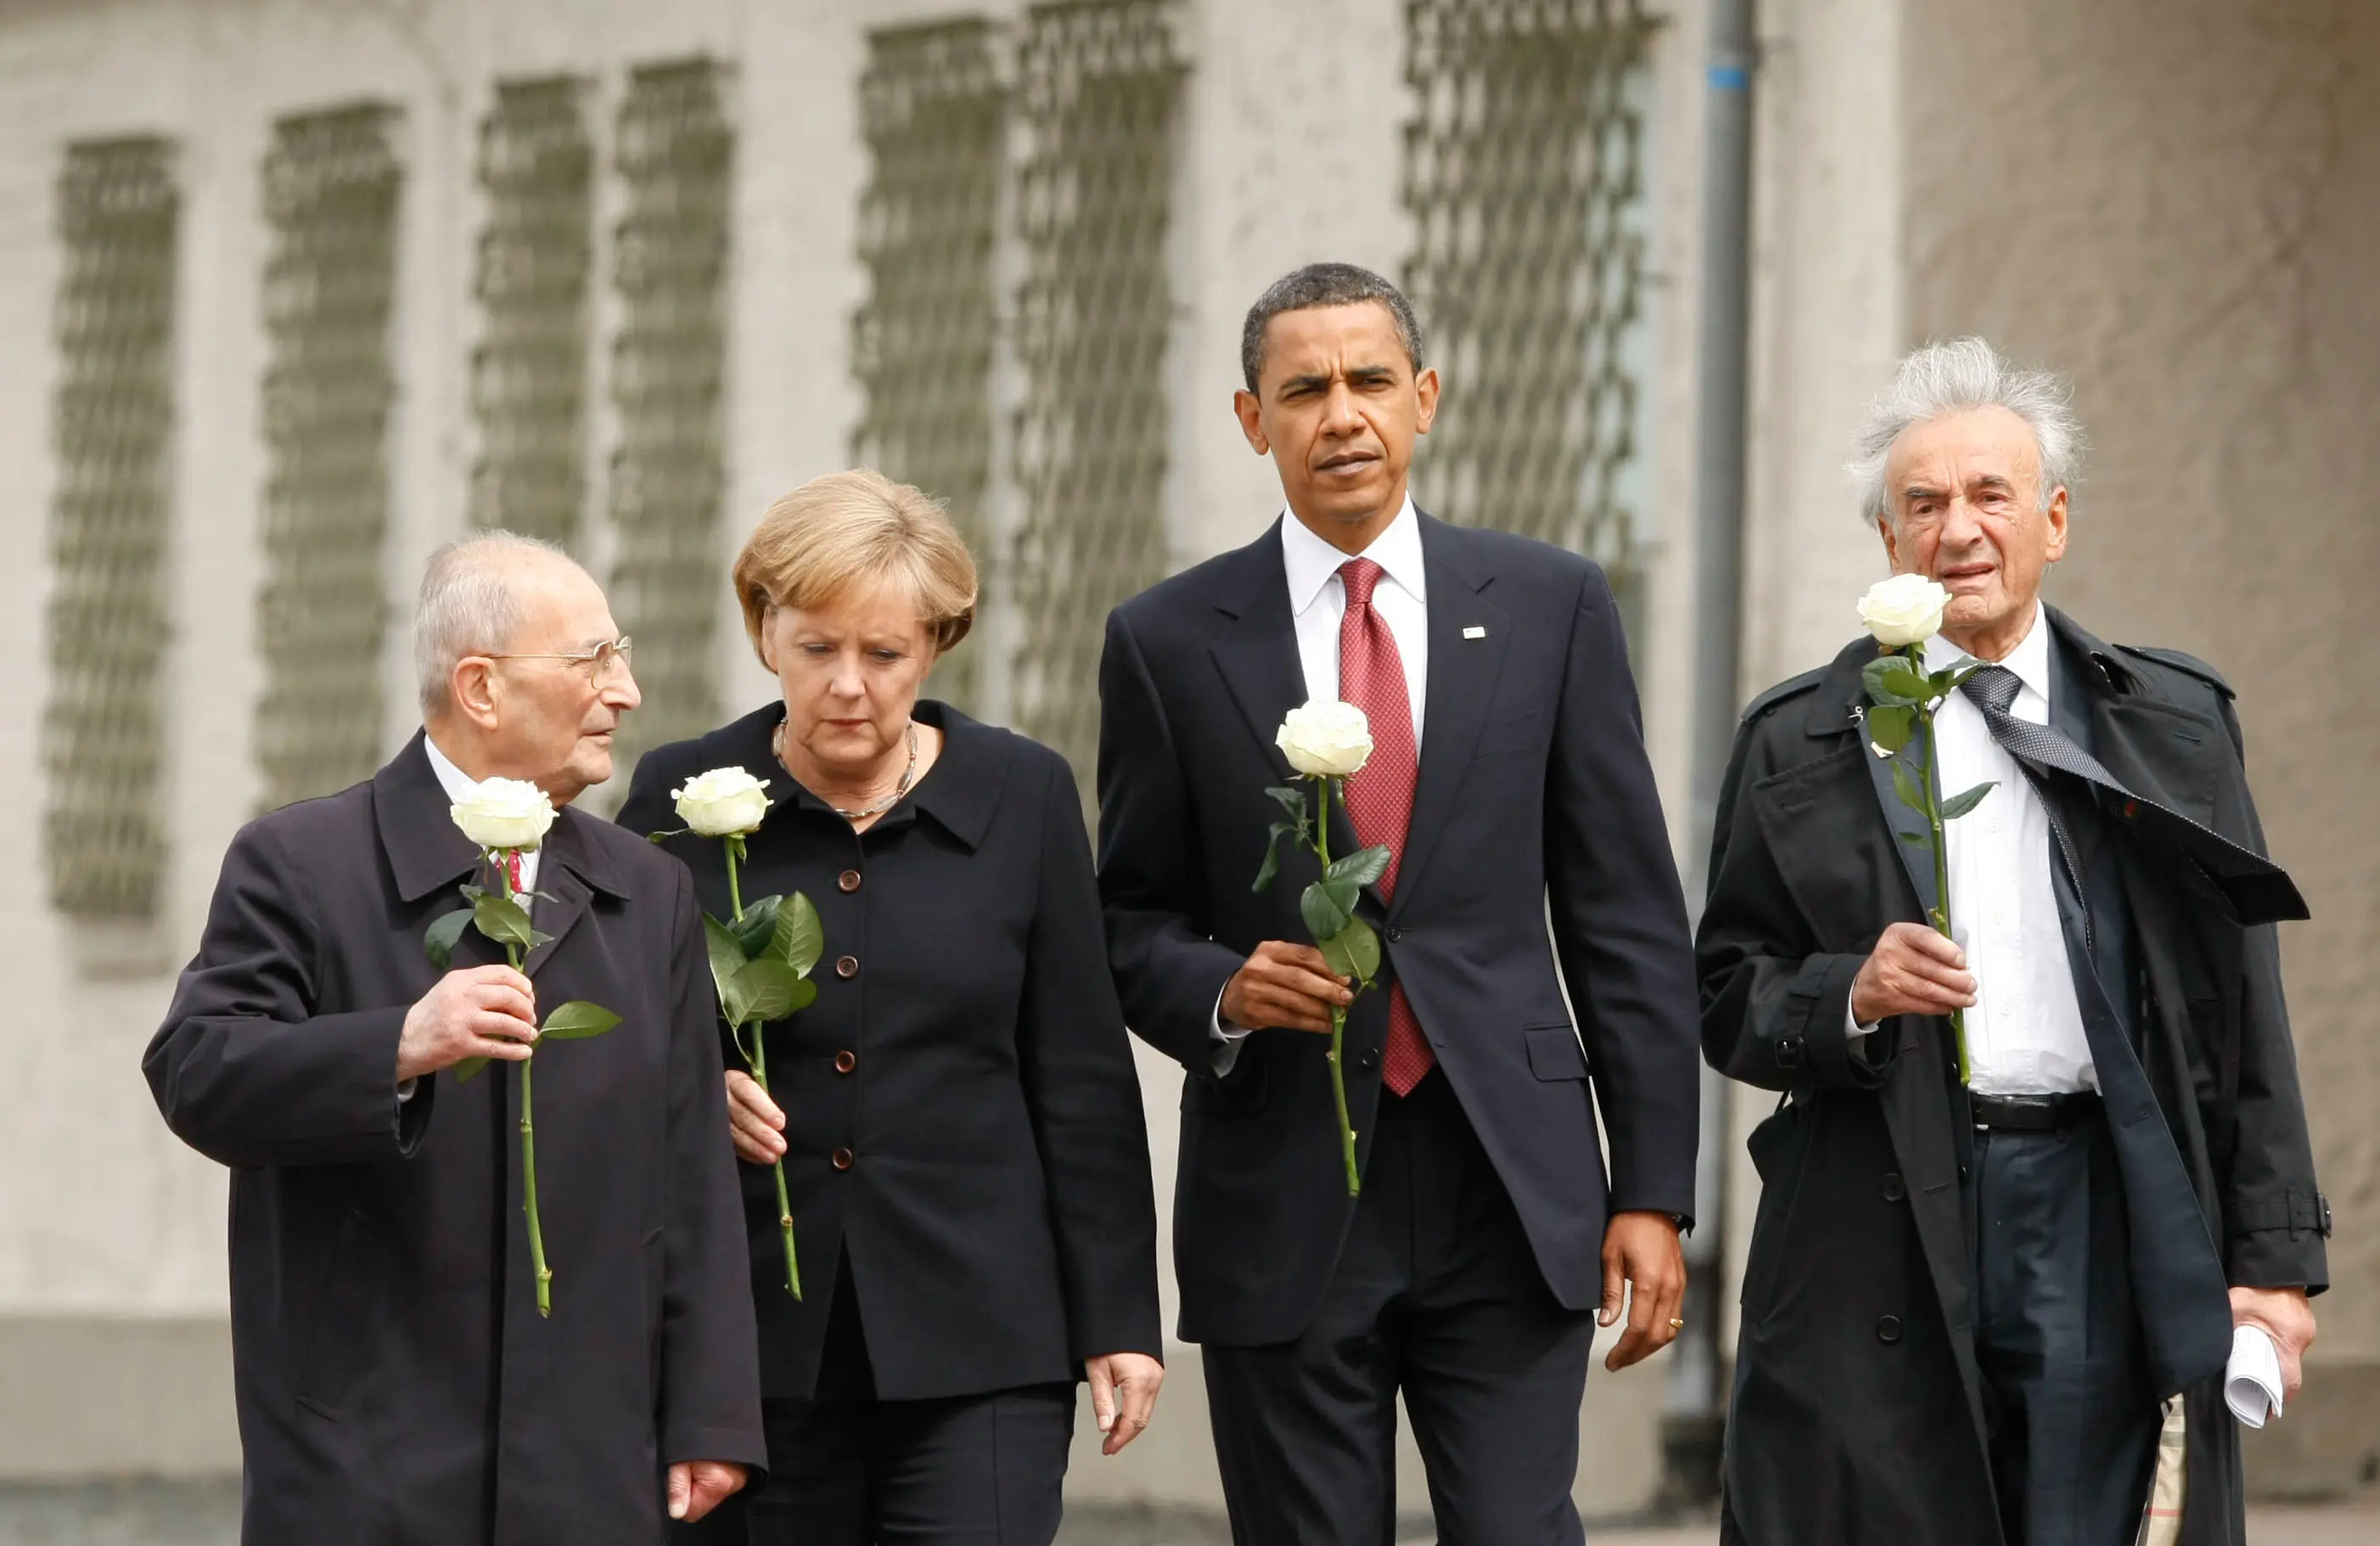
997,1205
395,1382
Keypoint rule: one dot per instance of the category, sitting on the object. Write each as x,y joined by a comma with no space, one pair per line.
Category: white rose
1325,737
504,813
724,802
1906,609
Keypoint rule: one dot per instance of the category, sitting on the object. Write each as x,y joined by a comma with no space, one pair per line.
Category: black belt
2032,1113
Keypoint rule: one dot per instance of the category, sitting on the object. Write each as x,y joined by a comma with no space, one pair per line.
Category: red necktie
513,869
1379,799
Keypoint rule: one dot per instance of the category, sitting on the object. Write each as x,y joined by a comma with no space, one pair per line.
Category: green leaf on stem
763,989
1343,894
468,1069
1324,918
1272,866
1361,868
1292,799
439,941
666,837
799,938
1354,952
504,921
1890,728
756,925
1894,683
1917,838
1959,804
576,1021
726,957
1904,783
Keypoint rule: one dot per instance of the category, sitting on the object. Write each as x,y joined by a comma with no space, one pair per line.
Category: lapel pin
1474,631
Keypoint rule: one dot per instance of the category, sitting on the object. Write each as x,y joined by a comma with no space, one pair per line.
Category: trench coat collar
426,850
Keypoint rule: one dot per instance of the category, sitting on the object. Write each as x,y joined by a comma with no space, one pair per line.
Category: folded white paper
2252,1380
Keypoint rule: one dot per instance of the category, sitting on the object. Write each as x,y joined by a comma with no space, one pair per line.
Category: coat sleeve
2274,1215
1776,1010
245,1070
1619,917
1168,966
709,1346
1085,1099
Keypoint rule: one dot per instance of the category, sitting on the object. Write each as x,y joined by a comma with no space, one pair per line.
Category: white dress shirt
1317,605
2025,1034
458,785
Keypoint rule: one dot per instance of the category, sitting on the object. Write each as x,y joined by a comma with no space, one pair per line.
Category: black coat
983,1159
1858,1411
395,1386
1534,793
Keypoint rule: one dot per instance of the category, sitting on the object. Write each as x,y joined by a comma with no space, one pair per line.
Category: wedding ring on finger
1676,1324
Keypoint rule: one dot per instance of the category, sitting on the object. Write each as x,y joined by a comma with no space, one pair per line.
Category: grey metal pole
1694,1418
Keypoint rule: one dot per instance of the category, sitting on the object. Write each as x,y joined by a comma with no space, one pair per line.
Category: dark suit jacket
996,1208
395,1386
1839,1434
1533,794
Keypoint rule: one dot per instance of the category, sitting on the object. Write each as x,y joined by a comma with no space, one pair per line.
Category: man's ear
1245,404
1426,388
2059,530
475,691
1891,543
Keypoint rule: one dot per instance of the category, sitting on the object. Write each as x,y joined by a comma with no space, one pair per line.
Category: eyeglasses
598,661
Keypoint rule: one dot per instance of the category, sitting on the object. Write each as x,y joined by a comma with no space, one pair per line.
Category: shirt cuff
404,1088
1852,1028
1226,1039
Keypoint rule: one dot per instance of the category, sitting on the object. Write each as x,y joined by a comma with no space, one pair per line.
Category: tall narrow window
669,588
104,745
1524,174
1101,83
931,109
529,375
331,186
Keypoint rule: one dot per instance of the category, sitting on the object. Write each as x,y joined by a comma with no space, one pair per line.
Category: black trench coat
395,1386
1858,1414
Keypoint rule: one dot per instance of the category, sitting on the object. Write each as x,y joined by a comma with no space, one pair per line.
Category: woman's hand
1123,1393
754,1121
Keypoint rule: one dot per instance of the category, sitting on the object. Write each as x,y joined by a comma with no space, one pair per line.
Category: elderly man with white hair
1967,1306
395,1382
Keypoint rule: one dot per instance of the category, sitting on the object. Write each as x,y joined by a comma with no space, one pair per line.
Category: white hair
470,605
1963,374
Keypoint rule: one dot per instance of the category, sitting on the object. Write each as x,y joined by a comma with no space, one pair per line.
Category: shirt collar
1311,562
2029,660
457,783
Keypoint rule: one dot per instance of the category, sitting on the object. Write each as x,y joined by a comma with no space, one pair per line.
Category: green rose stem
527,1130
1338,1013
758,1056
1940,916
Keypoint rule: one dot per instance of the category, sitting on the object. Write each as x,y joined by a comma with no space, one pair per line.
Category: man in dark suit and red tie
1509,781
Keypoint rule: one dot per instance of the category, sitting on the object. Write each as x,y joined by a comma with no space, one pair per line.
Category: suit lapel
1467,635
1910,834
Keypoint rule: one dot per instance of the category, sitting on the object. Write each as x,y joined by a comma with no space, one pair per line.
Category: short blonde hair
854,528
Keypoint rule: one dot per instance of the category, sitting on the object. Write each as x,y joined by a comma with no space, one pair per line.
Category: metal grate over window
331,187
676,159
933,107
1102,84
1524,176
103,739
528,374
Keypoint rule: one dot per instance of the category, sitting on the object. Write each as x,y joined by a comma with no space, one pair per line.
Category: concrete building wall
2177,203
114,1350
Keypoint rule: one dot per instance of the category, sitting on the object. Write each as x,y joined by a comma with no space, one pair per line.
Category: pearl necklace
777,747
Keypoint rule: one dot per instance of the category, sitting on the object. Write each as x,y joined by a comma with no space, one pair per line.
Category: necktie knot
1993,687
1359,575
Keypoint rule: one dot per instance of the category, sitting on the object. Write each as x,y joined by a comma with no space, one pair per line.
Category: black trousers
1438,1293
847,1469
2074,1421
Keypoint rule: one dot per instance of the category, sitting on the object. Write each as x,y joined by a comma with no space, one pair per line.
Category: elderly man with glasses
395,1381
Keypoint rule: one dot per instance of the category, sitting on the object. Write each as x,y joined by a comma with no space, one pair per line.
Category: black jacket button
1367,1058
846,967
1395,933
848,879
846,1061
1888,1329
1894,1189
842,1159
